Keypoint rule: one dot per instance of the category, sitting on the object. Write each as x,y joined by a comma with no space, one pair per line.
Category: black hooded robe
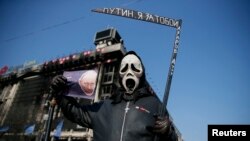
117,119
121,118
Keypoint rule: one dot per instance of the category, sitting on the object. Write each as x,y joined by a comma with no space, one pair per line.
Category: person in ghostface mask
129,115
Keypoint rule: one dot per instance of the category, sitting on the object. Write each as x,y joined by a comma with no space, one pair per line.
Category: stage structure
24,98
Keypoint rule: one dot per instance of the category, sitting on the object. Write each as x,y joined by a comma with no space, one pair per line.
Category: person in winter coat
129,115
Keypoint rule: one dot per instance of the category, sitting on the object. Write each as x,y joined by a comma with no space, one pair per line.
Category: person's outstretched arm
71,109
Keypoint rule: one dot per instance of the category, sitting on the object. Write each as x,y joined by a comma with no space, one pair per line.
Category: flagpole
50,119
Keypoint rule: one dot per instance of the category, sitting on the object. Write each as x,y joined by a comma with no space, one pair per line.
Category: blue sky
211,79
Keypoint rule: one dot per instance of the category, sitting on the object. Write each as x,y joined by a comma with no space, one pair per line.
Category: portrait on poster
82,83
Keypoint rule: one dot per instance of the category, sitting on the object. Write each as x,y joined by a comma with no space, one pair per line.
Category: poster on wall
82,83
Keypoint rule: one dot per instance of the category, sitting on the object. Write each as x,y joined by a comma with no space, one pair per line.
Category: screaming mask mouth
130,83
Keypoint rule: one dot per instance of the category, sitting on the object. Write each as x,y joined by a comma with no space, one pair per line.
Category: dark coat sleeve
80,114
170,135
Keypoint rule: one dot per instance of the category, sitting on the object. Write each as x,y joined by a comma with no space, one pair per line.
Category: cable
44,29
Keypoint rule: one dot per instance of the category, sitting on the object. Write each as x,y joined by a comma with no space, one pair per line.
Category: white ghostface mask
130,71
